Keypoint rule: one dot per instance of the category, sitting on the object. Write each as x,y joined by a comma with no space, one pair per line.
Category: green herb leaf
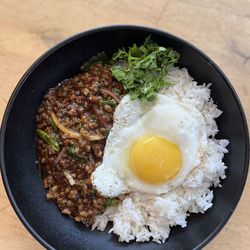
72,152
99,58
111,102
121,53
116,91
118,72
142,70
53,125
111,202
50,139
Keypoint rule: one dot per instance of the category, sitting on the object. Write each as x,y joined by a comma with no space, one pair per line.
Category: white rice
144,217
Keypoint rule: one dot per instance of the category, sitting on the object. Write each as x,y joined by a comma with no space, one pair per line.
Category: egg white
168,118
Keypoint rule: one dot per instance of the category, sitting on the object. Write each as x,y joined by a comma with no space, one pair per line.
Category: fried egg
151,147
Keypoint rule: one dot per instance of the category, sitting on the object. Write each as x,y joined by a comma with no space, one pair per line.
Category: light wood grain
219,28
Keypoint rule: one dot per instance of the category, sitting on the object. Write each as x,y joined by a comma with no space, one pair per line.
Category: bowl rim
74,37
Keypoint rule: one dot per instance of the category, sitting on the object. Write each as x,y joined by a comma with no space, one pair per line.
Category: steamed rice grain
144,217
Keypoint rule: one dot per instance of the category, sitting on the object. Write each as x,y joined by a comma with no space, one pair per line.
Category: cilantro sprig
142,70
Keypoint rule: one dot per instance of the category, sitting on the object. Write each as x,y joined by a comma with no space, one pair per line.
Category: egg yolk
155,160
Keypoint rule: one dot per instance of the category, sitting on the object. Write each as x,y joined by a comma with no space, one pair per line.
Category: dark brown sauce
78,103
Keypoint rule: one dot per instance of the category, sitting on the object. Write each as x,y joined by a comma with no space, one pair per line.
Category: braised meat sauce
72,123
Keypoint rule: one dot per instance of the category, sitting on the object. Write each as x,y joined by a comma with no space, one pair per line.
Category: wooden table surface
220,28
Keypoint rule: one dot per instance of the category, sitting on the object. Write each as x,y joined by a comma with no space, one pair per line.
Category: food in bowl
72,124
131,140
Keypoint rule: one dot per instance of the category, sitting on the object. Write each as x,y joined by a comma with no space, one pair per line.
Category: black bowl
20,173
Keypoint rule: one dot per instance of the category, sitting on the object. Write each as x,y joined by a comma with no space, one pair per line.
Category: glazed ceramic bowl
18,156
